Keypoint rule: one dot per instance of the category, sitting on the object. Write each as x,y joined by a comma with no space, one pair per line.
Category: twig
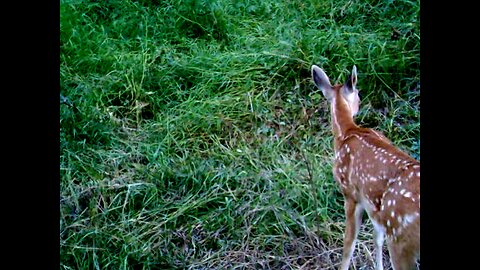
310,180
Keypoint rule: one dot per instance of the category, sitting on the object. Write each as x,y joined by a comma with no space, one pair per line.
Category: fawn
374,176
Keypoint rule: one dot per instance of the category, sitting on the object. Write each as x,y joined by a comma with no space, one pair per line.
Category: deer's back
385,180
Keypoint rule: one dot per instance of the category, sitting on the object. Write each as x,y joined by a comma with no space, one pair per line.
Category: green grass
192,136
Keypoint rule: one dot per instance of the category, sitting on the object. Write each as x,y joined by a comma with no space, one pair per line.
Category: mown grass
192,137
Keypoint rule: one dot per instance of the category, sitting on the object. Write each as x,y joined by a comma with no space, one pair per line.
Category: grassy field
192,136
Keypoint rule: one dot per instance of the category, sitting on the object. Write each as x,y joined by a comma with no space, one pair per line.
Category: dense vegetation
192,136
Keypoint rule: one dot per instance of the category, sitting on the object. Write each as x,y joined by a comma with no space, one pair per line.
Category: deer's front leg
353,215
379,233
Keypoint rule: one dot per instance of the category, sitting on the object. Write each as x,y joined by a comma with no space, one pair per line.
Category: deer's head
347,92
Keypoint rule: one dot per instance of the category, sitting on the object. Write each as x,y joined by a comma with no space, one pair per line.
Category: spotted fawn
374,176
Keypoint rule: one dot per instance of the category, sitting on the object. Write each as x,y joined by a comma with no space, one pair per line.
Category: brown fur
375,176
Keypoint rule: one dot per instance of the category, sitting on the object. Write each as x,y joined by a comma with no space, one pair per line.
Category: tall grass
192,137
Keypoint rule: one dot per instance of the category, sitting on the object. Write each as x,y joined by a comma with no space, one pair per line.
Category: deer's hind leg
405,249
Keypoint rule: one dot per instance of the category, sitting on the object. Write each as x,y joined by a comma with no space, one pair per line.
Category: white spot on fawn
409,219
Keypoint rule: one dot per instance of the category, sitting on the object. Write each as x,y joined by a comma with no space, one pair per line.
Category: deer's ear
351,81
322,81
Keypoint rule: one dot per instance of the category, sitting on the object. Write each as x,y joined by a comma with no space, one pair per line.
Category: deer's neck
342,119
